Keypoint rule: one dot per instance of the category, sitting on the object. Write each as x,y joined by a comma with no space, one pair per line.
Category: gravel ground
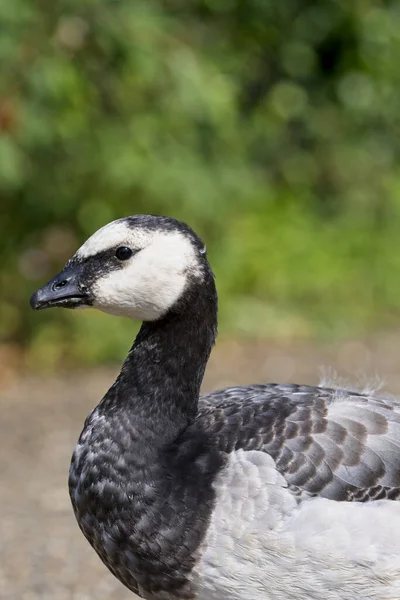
43,555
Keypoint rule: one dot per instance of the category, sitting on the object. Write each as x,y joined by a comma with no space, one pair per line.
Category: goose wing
328,442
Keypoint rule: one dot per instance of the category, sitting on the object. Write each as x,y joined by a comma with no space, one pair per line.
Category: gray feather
332,443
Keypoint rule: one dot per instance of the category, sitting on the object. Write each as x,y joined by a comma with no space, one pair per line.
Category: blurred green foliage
271,127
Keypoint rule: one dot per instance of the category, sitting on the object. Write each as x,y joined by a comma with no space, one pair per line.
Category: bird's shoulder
336,443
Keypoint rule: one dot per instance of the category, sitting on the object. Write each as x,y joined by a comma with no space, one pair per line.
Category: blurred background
272,128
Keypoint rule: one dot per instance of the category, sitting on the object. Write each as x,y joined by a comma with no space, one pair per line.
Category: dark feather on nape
162,223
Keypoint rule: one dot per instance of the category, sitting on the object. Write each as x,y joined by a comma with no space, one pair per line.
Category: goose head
137,267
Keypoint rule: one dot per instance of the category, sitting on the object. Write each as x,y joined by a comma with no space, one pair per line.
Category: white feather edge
262,545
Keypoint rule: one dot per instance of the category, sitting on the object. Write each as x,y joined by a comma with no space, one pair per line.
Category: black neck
161,377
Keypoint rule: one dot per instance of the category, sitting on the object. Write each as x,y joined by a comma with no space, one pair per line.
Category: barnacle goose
264,492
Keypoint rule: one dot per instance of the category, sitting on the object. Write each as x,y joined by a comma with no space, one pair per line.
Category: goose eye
123,253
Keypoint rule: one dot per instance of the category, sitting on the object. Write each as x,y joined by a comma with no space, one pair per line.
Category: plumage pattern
264,545
264,492
337,444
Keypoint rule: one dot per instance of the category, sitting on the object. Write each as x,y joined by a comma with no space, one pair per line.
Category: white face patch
150,282
114,234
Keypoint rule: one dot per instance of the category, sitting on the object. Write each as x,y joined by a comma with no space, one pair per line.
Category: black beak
63,290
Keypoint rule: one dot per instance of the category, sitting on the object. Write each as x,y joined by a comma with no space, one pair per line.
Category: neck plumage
159,384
